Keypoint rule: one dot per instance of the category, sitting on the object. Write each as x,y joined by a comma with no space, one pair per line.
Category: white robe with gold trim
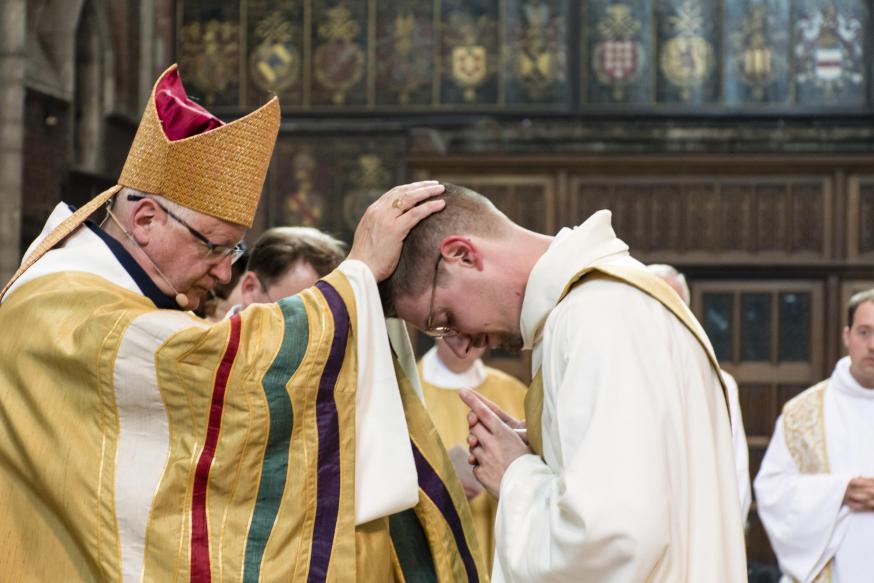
637,481
804,514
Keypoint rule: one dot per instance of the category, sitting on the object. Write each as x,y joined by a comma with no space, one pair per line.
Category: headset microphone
180,298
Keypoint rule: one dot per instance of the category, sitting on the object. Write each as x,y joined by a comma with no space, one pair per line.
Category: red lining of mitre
180,117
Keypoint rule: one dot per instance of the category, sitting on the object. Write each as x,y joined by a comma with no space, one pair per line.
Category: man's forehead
865,311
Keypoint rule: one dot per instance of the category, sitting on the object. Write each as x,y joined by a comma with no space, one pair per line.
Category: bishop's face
859,340
187,263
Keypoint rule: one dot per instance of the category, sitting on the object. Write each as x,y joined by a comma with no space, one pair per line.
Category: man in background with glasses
140,442
626,470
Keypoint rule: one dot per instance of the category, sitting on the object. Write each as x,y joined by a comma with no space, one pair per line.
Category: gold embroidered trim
804,430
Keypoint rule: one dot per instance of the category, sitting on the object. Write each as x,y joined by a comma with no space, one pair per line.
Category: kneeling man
627,473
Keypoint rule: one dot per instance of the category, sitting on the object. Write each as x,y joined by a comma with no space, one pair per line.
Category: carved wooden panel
736,225
807,212
702,207
667,218
860,216
866,218
771,220
719,216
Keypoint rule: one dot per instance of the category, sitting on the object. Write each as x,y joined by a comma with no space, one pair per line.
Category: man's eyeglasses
213,250
430,329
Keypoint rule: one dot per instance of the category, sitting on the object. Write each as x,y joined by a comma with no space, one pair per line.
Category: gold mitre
187,155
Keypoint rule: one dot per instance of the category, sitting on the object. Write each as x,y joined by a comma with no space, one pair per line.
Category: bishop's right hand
386,223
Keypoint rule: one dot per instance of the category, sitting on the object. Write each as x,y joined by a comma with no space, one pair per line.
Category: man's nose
222,270
459,344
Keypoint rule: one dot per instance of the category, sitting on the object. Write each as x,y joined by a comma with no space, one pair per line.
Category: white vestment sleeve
602,514
385,472
802,513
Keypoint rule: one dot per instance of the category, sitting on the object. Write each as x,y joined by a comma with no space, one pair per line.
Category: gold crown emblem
219,173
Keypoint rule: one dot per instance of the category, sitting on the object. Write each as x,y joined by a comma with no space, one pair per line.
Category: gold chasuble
143,444
232,444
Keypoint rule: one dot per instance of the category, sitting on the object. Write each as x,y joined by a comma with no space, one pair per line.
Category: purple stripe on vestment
328,484
436,490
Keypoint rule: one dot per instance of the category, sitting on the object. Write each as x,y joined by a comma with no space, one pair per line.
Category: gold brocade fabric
804,430
449,414
145,444
645,282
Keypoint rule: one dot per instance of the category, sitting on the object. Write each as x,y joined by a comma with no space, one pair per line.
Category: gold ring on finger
398,203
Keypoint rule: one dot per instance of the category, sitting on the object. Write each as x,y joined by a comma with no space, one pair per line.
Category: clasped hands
495,440
860,494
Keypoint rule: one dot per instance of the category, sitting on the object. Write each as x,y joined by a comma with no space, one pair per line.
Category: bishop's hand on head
385,224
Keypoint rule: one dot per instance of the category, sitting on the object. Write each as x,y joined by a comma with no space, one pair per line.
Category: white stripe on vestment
82,251
144,434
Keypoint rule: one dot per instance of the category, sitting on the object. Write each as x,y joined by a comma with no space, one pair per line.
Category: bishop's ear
144,216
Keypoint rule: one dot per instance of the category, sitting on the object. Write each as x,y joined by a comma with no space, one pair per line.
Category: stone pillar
147,52
12,67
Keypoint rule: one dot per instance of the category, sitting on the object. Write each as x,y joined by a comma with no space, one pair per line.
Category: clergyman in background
815,487
284,261
444,375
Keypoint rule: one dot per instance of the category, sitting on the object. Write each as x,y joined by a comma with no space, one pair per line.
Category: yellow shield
469,66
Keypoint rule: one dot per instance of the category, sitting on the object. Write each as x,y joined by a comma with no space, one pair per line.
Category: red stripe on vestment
200,569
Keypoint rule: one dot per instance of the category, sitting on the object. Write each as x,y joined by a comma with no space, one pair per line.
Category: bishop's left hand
494,445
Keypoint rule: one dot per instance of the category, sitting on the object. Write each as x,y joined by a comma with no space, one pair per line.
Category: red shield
616,60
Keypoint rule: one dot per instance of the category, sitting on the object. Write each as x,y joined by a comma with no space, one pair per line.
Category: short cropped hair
857,300
466,213
278,249
183,212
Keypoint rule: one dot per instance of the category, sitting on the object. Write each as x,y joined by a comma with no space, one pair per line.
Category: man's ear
846,335
143,216
250,288
461,250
